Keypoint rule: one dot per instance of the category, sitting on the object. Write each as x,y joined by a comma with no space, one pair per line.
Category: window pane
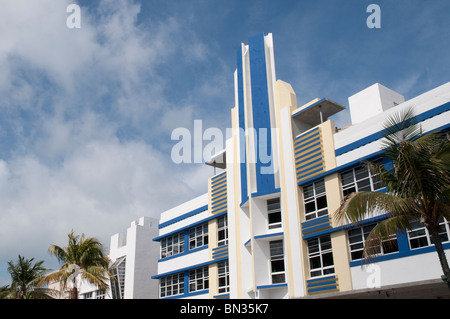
364,185
276,248
314,263
322,213
273,204
354,236
313,245
320,187
310,207
356,254
377,184
347,177
367,230
358,246
361,172
348,191
328,271
325,242
419,242
316,273
415,224
390,246
277,265
274,217
322,202
417,233
443,232
308,191
278,278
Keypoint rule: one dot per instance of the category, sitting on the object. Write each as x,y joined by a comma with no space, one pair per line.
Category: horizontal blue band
184,216
271,286
177,271
306,144
376,136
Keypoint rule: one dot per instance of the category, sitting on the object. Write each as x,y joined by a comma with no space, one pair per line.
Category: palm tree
25,277
417,186
82,259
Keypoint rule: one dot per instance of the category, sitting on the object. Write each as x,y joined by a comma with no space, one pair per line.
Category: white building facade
265,227
133,260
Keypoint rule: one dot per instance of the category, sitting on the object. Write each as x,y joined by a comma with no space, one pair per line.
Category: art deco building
265,227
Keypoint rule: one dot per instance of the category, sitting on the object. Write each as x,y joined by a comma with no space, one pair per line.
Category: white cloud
67,94
98,189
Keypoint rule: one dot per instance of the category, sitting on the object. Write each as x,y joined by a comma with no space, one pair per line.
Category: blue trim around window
185,272
403,251
187,227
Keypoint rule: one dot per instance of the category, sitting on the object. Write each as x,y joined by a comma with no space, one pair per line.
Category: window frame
100,294
320,254
171,281
277,259
223,274
222,231
356,183
198,236
359,245
425,233
316,195
198,279
274,211
117,270
172,245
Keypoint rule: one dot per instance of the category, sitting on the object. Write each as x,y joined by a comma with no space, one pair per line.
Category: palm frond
362,205
85,253
399,127
382,234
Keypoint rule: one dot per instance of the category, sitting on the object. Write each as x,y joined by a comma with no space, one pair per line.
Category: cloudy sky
87,114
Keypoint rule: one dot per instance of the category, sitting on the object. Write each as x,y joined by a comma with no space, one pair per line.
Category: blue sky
87,113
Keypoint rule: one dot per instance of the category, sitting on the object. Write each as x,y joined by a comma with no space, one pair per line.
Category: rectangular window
198,279
420,237
320,256
274,213
315,200
224,277
222,231
277,262
198,236
88,295
99,294
117,270
360,179
172,245
171,285
357,237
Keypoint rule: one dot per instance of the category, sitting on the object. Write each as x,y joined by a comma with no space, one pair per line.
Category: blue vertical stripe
241,113
261,114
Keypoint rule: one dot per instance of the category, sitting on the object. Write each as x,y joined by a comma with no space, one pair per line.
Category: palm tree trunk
73,293
442,258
